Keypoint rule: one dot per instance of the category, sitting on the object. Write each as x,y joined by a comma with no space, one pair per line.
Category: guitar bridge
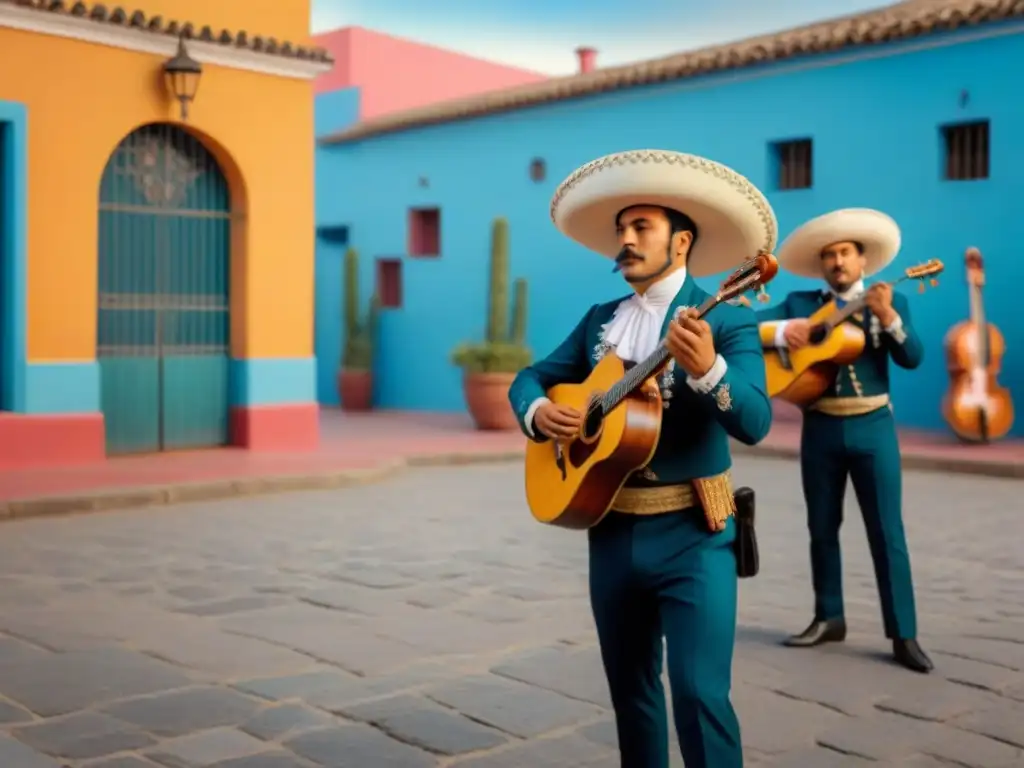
560,459
785,359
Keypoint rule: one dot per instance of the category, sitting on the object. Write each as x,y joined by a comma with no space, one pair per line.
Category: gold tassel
717,499
762,295
934,282
920,287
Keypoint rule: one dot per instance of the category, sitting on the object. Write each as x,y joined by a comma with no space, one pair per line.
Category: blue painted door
164,305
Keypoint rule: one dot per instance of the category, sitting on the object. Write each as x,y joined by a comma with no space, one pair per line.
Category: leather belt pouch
747,560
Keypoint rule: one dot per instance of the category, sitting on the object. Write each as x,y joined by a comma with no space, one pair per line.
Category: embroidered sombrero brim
800,253
734,219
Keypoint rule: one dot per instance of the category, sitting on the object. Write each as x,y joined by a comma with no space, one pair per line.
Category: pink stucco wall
394,74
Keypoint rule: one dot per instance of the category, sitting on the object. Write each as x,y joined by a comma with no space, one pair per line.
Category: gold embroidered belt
713,494
849,406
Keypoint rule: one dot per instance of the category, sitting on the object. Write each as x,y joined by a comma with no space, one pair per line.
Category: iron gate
164,308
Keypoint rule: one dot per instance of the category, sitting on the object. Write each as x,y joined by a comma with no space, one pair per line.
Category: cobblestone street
428,621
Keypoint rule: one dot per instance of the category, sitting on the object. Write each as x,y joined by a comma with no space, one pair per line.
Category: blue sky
542,34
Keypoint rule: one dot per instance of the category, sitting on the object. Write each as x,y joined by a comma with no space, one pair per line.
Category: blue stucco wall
875,120
333,111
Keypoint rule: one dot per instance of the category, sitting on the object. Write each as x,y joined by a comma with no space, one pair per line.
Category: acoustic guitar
976,407
804,375
573,484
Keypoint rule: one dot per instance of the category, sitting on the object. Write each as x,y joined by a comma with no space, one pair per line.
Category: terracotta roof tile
103,14
901,21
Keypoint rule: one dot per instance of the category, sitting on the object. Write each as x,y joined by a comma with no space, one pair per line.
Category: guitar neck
854,306
647,367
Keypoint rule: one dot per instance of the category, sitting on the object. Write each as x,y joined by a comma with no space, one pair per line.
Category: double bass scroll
976,407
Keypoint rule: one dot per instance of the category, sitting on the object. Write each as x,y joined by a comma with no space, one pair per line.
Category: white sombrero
734,220
800,253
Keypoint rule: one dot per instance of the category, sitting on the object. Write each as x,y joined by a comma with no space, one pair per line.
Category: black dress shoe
909,654
830,631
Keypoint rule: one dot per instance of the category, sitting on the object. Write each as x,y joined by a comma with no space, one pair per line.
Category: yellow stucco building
157,267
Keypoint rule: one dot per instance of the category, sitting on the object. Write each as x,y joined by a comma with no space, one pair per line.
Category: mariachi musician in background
850,431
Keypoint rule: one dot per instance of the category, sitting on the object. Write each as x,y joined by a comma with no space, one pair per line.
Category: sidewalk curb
982,468
109,500
213,490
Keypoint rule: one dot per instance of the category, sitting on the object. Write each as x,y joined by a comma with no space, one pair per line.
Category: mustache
624,255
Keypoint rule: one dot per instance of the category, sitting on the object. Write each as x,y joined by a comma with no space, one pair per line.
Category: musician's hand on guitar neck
691,344
879,300
558,422
797,334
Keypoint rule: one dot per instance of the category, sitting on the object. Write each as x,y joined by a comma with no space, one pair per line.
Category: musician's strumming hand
879,301
691,344
797,333
558,422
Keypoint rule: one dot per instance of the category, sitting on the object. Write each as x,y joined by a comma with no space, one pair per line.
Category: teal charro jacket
869,374
695,426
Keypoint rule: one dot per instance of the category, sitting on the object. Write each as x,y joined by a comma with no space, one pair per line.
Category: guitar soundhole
818,333
592,421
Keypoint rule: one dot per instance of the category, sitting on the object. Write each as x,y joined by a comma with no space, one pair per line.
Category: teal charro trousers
865,449
667,576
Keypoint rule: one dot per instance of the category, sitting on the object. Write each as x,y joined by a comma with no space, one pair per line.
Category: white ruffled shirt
635,328
635,332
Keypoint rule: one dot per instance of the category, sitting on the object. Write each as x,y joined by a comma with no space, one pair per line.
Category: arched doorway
164,305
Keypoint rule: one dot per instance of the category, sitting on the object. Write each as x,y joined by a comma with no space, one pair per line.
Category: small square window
334,234
425,232
794,164
389,283
966,156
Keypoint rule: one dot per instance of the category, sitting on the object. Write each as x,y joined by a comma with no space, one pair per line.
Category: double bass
976,407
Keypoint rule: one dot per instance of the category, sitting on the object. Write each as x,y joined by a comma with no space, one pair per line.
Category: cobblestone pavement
427,621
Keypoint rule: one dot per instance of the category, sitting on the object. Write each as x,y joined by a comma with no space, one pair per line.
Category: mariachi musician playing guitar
850,431
662,561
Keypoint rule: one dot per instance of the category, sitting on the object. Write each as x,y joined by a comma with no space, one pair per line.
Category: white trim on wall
143,41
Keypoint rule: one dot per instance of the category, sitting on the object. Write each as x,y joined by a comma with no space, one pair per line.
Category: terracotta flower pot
487,400
355,390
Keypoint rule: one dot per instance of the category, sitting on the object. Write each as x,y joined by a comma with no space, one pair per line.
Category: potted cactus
355,379
490,366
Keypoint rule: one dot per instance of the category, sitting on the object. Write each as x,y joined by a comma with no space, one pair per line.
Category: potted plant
355,379
489,367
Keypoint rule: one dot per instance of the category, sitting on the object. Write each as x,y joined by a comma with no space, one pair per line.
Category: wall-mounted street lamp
181,74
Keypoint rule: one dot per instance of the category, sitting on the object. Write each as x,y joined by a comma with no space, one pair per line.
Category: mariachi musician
662,563
851,432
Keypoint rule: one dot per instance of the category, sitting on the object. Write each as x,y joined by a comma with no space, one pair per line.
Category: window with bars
966,151
425,232
389,283
333,234
794,164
